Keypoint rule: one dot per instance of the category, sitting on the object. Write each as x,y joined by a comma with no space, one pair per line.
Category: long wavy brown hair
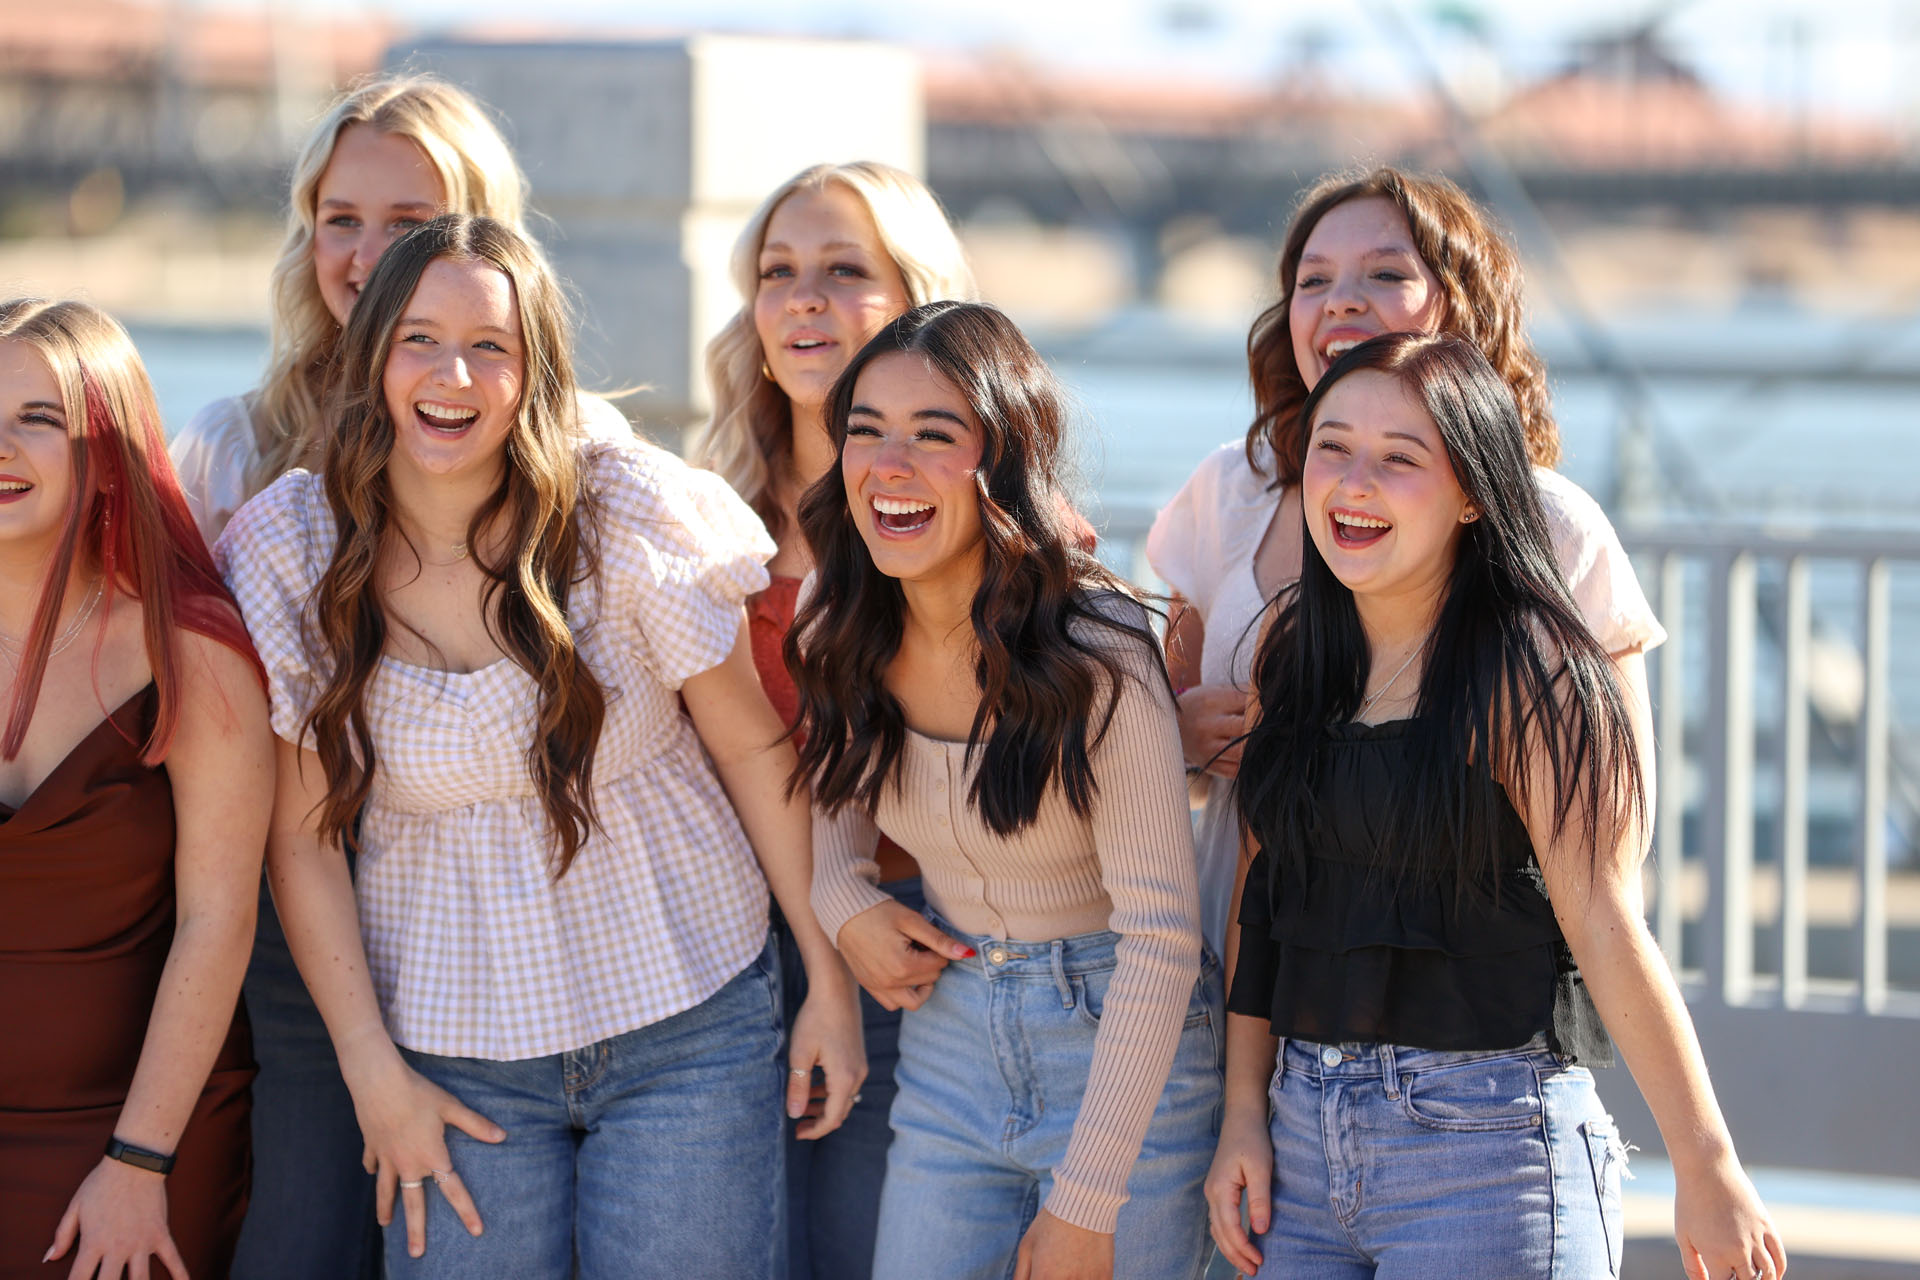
1047,617
1479,276
543,509
129,521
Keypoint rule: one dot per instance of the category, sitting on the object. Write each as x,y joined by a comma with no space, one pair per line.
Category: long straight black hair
1048,619
1511,665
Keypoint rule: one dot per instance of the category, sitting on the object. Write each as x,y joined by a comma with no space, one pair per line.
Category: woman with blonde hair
134,795
509,669
836,252
390,154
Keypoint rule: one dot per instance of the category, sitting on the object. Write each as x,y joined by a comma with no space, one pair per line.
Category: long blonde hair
477,175
752,422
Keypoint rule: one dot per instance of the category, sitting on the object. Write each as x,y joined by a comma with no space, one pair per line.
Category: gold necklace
73,630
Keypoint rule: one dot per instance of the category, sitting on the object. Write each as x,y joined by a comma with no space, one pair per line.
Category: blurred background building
1719,210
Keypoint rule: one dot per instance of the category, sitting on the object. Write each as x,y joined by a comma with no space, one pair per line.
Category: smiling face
827,284
1360,276
376,186
912,453
454,371
1379,494
36,454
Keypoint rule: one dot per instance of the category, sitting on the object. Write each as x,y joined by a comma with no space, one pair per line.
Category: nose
367,249
892,461
1343,297
806,297
450,370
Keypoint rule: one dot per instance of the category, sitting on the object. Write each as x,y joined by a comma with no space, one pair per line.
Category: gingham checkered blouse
474,948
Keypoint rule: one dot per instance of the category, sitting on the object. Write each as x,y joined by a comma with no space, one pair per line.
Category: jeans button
1330,1056
997,955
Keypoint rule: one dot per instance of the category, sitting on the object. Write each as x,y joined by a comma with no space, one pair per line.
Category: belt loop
1389,1071
1280,1065
1060,973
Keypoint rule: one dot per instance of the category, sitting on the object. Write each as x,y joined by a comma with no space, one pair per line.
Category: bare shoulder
221,698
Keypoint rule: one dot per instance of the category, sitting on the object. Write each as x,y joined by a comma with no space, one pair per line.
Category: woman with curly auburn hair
134,794
390,153
834,253
975,685
1366,253
509,670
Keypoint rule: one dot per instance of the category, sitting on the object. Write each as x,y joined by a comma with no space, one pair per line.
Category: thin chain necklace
65,638
1366,703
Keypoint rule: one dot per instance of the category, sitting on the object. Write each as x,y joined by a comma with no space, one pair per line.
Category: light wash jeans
991,1075
1418,1164
833,1183
657,1153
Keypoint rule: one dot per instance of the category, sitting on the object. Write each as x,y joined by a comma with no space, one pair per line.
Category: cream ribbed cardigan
1128,867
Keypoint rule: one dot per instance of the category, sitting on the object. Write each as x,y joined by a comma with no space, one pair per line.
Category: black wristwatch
139,1157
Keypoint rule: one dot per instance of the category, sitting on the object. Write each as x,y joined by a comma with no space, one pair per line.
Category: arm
894,952
1243,1161
217,766
403,1117
1719,1222
744,736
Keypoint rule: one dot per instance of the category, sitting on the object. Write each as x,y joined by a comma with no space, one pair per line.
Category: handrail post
1794,764
1873,792
1736,805
1670,754
1714,764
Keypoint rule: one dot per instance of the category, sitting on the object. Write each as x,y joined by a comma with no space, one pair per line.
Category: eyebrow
831,246
918,415
45,404
1383,251
422,322
337,203
1334,424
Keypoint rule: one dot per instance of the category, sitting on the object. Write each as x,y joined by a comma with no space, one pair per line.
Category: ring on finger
412,1184
439,1175
798,1071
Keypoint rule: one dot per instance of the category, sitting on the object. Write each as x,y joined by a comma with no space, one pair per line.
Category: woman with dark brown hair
134,793
510,669
1381,251
976,686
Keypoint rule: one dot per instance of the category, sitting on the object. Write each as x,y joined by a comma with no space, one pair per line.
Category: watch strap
139,1157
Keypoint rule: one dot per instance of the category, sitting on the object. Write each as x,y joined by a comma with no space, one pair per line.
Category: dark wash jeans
833,1183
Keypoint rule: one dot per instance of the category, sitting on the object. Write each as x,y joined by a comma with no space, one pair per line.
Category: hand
1722,1228
1242,1164
404,1118
896,954
1055,1249
119,1218
1212,716
827,1035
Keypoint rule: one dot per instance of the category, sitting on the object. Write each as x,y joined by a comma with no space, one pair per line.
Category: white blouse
1203,545
217,449
475,949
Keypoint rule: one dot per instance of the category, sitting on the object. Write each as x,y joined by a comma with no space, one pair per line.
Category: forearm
1643,1010
313,894
781,833
192,1015
1252,1050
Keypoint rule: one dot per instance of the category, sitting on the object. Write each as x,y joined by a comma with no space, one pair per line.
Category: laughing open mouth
444,417
902,515
1352,529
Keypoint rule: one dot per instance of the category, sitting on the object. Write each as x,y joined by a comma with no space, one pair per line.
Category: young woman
134,790
829,257
977,687
388,155
1379,252
1446,787
479,634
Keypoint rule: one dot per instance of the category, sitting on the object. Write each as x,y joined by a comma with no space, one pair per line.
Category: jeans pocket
1090,997
1606,1155
1476,1096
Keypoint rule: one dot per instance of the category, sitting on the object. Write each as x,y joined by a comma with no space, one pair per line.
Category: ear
1471,514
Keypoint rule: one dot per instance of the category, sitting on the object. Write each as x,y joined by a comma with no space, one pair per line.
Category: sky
1789,52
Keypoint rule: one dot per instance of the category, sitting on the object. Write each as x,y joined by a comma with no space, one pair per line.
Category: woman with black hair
1446,788
982,691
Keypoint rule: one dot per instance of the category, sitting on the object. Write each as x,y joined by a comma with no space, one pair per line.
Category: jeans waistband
1360,1059
1009,957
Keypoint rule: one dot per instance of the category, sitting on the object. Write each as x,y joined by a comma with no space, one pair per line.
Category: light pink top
474,948
1203,544
1128,867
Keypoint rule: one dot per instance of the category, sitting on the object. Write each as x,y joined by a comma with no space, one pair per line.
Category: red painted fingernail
966,953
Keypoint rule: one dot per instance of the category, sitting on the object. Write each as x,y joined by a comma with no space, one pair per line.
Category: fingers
385,1183
136,1266
799,1085
1692,1263
1023,1259
1776,1250
458,1199
86,1261
413,1200
470,1122
922,931
63,1235
170,1258
1223,1223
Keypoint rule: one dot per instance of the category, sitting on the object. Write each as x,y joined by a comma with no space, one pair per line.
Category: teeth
1337,349
1364,522
807,344
446,414
899,506
14,486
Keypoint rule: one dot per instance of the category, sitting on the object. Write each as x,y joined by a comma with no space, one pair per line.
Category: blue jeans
1417,1164
833,1183
311,1213
992,1071
654,1154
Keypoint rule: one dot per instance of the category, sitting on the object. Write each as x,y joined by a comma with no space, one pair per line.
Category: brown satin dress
86,919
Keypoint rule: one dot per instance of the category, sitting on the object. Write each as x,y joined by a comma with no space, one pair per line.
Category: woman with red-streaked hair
135,785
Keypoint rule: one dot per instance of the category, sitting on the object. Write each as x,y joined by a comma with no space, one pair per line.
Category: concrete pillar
646,159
